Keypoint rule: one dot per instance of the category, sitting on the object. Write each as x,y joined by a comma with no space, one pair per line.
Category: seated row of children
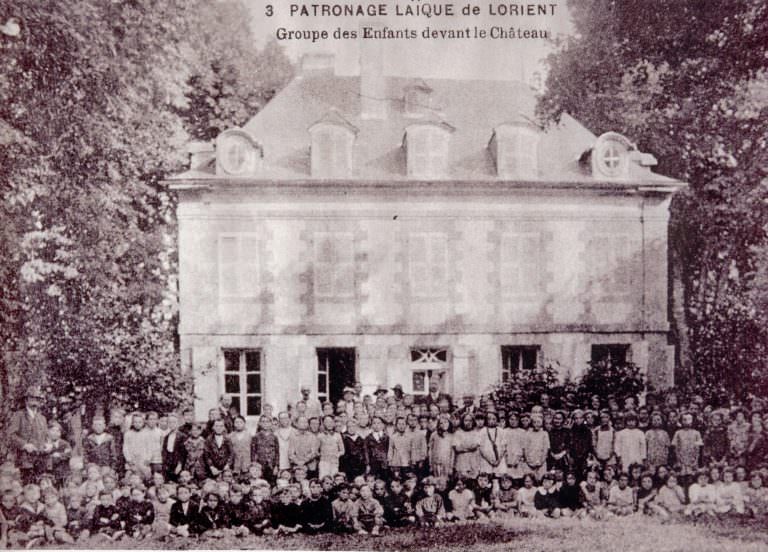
101,507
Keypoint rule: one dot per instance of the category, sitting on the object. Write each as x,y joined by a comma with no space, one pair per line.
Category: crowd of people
374,462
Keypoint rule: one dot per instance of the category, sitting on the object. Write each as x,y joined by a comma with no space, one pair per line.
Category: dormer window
331,149
515,150
610,156
427,147
418,99
237,153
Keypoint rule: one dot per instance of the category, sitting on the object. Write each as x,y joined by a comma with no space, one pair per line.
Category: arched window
427,146
331,150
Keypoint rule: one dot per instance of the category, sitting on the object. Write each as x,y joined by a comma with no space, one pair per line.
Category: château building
397,230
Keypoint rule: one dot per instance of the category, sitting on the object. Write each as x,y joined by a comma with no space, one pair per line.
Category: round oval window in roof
611,157
237,154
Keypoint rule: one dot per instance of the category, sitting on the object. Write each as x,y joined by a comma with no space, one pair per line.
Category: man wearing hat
398,391
28,434
435,396
314,409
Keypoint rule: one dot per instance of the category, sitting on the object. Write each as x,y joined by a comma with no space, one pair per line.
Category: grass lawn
636,534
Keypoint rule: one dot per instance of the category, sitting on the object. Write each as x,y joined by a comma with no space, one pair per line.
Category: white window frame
518,156
508,371
427,151
341,242
420,270
338,142
245,268
429,366
526,267
615,251
242,374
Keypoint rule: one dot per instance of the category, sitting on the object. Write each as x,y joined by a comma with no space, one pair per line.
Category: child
139,514
399,456
670,500
462,501
259,521
218,453
162,505
728,495
569,496
483,496
369,514
756,496
240,440
183,515
238,511
591,496
430,510
9,519
621,498
646,496
56,515
377,448
506,498
331,448
211,520
316,511
546,499
657,442
702,497
286,514
264,449
61,452
398,511
526,497
32,520
343,511
99,446
686,444
630,443
194,447
106,520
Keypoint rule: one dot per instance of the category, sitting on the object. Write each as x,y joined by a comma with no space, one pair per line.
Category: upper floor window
239,265
237,153
428,261
334,266
331,150
611,156
610,261
241,377
515,150
427,147
521,264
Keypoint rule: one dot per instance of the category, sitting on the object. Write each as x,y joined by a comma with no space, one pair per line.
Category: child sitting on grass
702,497
369,514
621,498
462,502
430,510
670,501
56,519
546,499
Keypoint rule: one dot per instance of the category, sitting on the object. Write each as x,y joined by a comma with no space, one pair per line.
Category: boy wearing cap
430,510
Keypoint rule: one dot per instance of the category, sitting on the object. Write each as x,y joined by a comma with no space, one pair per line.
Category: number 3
270,11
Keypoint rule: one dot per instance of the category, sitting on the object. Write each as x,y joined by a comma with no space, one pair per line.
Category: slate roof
472,107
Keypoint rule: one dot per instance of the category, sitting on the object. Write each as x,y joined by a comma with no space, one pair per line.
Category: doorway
335,371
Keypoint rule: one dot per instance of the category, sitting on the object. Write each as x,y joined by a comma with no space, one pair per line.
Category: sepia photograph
396,275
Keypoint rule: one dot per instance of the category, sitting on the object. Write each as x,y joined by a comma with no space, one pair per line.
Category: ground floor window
335,371
516,359
242,380
616,353
427,364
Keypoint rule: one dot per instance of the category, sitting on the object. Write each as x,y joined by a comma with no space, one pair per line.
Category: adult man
137,446
173,449
225,414
314,409
28,433
435,396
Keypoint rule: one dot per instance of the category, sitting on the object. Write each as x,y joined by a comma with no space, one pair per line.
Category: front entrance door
335,371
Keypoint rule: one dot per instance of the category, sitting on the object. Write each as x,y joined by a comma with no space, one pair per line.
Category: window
427,151
334,267
427,365
331,151
242,380
610,156
238,153
516,359
238,265
614,353
521,264
611,270
516,151
428,255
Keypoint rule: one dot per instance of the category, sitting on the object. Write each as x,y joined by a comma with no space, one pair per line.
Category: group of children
375,466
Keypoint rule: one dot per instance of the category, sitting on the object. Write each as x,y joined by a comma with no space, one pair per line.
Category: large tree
90,94
687,80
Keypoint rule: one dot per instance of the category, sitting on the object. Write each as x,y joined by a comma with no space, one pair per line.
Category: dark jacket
101,454
216,456
23,429
376,452
179,518
353,461
174,457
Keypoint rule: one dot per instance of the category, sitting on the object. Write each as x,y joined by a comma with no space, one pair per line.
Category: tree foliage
689,82
90,100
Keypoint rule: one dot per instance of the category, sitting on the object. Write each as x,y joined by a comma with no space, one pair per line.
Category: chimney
317,64
200,153
373,103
